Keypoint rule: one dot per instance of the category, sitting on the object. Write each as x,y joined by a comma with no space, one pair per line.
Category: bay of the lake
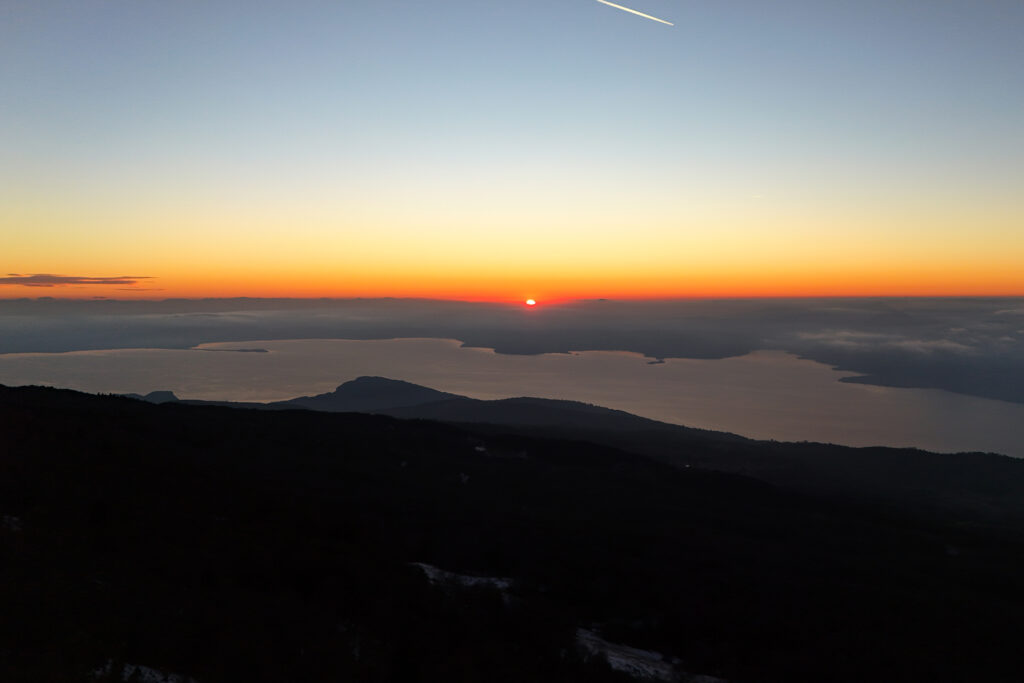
764,395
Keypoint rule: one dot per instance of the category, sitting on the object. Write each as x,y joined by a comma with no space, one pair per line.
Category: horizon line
541,301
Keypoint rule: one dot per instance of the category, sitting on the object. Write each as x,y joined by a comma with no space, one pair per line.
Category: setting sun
531,302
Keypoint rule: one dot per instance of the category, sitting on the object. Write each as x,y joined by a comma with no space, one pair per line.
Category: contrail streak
633,11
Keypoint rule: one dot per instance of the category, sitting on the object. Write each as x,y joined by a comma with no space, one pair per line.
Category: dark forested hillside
969,487
242,545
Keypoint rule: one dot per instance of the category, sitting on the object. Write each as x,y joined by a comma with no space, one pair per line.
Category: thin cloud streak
48,280
633,11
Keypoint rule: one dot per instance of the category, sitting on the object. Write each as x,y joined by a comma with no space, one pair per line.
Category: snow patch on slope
638,663
631,660
143,674
440,576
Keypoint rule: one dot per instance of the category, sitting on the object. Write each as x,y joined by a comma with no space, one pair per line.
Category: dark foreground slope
968,487
242,545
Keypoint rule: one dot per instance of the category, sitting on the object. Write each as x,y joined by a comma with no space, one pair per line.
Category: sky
503,150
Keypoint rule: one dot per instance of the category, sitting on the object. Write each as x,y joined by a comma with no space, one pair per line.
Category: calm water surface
766,394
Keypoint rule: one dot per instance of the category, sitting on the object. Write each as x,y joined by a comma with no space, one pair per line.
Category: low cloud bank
970,346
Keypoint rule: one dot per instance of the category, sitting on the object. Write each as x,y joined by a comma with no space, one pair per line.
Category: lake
764,395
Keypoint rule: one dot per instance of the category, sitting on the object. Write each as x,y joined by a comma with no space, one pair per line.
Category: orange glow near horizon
497,287
735,254
511,243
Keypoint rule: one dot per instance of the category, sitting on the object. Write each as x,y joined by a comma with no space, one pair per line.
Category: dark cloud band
47,280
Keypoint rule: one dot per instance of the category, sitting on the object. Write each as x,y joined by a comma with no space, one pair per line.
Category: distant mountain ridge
983,486
398,398
155,397
368,394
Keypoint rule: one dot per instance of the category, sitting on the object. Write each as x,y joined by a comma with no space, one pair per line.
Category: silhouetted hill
244,545
404,399
537,412
366,395
154,396
974,486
